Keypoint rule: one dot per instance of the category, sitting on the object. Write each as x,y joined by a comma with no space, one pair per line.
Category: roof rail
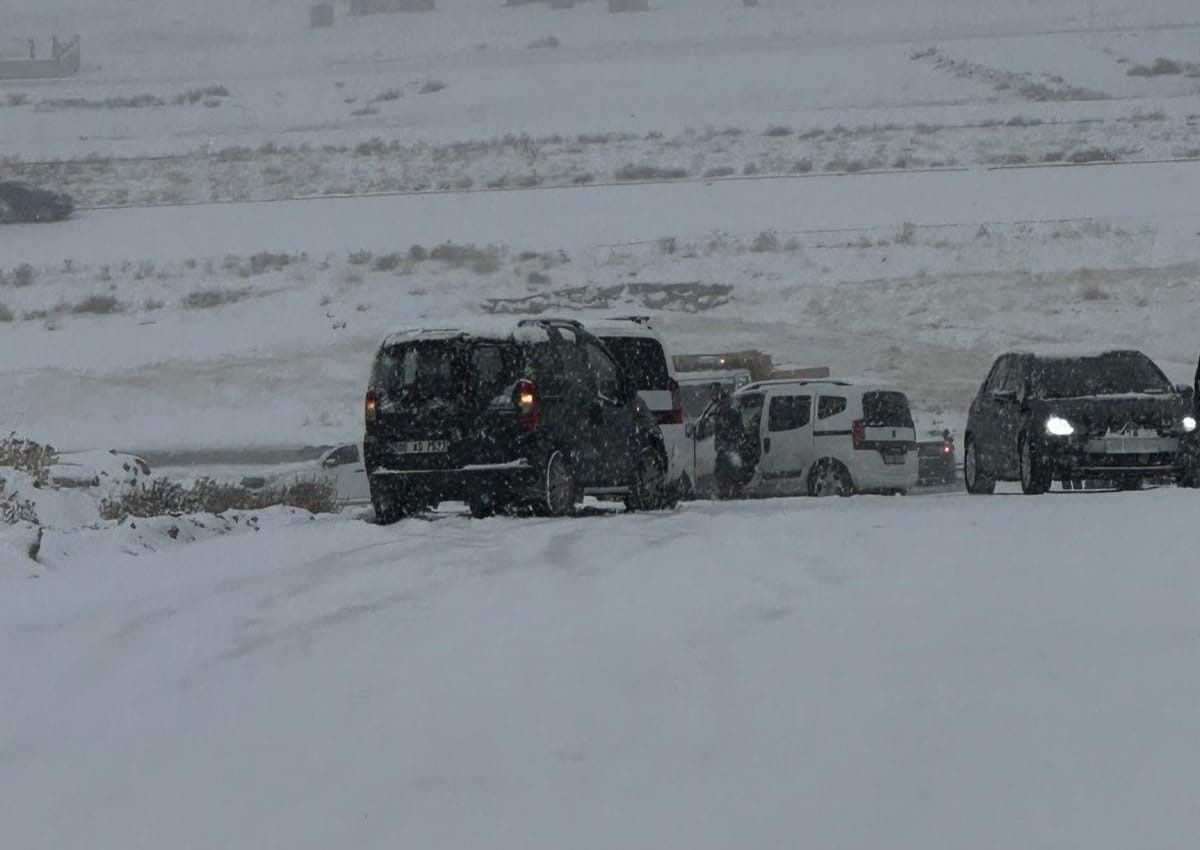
640,320
568,323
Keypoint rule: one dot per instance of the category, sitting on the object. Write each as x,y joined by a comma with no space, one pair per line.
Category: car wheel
1188,476
829,478
482,506
978,483
556,489
388,508
650,491
1035,476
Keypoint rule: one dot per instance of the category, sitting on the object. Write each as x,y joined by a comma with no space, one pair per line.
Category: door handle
766,445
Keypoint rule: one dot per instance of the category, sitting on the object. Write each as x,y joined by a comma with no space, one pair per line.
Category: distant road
576,217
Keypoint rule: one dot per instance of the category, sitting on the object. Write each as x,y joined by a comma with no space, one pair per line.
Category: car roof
710,377
1077,355
527,333
856,384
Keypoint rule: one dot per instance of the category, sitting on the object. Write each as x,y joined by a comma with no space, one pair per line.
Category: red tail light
676,403
371,408
947,449
529,403
858,432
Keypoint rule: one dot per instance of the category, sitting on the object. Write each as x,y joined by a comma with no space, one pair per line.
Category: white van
816,437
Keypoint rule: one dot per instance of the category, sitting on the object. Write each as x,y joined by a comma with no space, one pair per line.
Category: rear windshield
446,369
641,359
886,409
1109,374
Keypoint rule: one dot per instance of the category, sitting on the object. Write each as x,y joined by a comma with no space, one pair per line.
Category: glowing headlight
1058,427
1189,423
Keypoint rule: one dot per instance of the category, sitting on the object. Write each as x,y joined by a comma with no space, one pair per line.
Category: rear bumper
872,473
498,480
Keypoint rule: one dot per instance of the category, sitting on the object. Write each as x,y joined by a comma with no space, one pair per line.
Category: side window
999,376
344,455
830,405
1011,381
608,378
750,408
789,412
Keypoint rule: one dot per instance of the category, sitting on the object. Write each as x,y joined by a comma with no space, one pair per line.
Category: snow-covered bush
27,456
166,497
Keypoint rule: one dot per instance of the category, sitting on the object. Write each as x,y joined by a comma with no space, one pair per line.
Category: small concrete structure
63,62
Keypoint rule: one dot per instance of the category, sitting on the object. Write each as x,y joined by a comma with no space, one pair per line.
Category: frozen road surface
942,672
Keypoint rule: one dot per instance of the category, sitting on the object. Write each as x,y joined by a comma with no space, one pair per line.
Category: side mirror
1005,395
329,462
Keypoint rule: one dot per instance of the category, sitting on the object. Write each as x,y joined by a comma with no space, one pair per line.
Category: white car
108,470
642,356
817,437
341,466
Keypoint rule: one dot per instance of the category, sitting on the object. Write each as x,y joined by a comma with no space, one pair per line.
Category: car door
1010,405
352,486
704,453
986,418
786,442
612,420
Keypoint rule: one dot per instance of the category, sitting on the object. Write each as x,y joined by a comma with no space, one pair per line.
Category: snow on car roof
856,383
497,332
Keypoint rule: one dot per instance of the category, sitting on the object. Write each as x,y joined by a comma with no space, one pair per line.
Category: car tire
483,506
977,481
650,491
1188,476
1035,475
557,489
829,477
388,508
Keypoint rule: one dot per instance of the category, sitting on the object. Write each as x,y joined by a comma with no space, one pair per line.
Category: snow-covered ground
947,671
888,188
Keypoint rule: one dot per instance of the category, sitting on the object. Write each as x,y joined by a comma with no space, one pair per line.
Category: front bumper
1113,456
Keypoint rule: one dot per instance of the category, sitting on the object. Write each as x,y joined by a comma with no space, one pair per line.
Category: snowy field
948,671
900,190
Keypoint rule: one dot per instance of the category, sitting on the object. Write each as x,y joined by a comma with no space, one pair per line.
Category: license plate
894,459
423,447
1138,434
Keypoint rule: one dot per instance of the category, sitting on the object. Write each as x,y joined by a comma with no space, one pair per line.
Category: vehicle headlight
1058,427
1189,423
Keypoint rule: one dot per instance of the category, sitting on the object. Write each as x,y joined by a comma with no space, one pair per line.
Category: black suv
530,417
1112,417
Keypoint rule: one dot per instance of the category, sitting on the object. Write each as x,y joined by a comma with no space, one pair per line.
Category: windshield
641,359
445,369
1109,374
